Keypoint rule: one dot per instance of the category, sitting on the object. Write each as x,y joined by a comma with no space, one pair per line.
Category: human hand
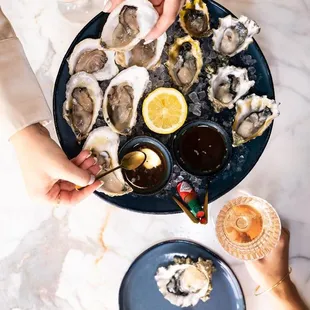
49,175
168,10
269,270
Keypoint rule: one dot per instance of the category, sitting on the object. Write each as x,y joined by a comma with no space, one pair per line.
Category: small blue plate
139,289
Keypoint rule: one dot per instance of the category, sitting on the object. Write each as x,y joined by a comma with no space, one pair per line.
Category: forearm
21,100
286,297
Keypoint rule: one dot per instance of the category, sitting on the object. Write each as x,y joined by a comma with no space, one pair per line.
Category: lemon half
164,110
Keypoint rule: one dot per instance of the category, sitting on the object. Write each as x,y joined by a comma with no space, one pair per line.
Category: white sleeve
22,102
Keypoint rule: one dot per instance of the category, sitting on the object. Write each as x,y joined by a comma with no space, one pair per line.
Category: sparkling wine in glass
248,228
80,11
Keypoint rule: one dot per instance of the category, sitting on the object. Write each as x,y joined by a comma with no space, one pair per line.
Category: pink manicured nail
92,180
107,7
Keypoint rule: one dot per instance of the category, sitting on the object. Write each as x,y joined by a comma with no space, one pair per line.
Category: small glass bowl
201,123
260,246
145,141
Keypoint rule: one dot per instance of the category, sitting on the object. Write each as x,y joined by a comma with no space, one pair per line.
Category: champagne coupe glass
248,228
80,11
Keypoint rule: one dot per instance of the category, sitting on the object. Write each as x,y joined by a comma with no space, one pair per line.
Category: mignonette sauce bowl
146,142
214,128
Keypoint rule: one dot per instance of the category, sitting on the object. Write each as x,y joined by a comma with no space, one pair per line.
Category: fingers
170,11
70,172
94,170
89,162
111,5
53,193
78,160
74,197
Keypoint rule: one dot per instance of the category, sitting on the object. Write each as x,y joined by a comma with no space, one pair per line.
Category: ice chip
193,97
202,95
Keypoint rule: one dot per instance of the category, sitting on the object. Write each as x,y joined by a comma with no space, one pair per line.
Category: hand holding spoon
130,161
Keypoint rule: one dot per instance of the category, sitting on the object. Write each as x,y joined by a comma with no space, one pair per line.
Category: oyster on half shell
122,97
128,24
234,35
90,57
227,86
185,283
83,101
185,62
147,56
253,116
104,143
195,19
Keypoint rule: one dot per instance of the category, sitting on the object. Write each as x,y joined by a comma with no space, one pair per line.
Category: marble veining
76,259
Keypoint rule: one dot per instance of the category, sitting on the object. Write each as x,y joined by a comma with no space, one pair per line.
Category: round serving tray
242,159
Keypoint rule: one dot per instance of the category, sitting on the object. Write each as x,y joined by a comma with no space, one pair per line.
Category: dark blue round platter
139,290
242,159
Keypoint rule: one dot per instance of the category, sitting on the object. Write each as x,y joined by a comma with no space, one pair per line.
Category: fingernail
146,42
107,7
95,160
101,183
92,180
89,155
100,167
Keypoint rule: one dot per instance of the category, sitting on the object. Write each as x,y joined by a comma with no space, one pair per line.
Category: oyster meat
253,116
147,56
89,56
185,62
227,86
185,282
195,19
234,35
83,101
128,24
104,143
122,97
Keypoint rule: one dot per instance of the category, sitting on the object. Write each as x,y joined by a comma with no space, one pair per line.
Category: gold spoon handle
99,176
103,174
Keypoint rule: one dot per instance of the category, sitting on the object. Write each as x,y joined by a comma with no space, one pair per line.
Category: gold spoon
130,161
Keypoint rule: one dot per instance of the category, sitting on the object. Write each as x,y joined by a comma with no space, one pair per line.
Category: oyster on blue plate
253,116
234,35
227,86
122,97
89,56
195,19
185,62
143,55
128,24
104,143
83,102
185,282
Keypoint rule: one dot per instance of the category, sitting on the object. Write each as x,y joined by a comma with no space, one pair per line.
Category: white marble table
78,262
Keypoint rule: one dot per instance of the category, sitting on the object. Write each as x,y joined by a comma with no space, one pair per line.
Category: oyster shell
128,24
227,86
195,19
122,97
147,56
234,35
104,143
83,101
186,282
253,116
185,62
89,56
